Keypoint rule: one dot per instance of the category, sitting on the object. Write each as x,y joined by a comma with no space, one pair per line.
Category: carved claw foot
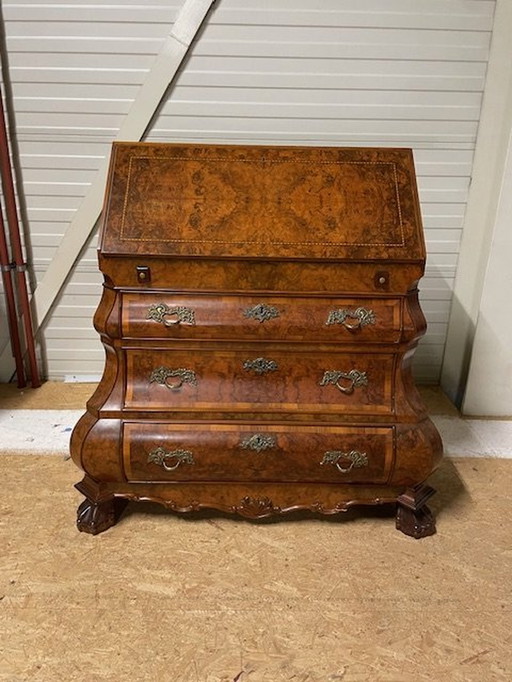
95,517
413,517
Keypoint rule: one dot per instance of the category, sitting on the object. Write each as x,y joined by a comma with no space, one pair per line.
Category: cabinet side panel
101,458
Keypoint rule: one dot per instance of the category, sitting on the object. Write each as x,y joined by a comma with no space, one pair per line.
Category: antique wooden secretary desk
259,316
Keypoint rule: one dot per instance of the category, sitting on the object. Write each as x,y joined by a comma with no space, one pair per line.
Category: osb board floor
57,395
166,598
54,395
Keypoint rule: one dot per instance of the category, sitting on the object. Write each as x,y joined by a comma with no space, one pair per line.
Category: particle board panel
239,600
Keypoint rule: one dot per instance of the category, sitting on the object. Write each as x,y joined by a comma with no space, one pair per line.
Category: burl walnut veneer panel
257,202
259,317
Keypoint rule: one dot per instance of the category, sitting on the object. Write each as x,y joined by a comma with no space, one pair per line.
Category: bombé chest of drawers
259,317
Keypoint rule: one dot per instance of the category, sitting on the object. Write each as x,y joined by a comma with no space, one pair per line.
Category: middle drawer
253,318
277,380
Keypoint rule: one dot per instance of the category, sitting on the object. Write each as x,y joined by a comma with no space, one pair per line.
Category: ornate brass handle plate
354,459
262,312
170,316
353,379
361,317
173,379
164,458
260,365
258,442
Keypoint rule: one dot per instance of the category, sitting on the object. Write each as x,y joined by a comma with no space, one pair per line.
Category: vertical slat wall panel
335,72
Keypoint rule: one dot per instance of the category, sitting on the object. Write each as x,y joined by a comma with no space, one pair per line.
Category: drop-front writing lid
262,202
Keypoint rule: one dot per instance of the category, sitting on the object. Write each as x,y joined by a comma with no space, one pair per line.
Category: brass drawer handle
262,312
357,459
258,442
355,379
362,317
260,365
161,312
161,376
161,457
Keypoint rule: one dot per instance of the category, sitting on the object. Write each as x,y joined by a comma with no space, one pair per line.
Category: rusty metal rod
17,250
10,300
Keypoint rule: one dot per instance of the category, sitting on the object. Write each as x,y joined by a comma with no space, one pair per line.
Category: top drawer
253,318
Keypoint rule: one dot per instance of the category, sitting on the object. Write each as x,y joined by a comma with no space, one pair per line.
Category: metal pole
17,251
10,300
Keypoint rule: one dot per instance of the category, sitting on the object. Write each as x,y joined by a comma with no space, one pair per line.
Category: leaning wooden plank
161,74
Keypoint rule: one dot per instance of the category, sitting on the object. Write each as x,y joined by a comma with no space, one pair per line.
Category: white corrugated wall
334,72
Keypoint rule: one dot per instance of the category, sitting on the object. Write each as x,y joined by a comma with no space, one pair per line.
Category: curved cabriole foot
413,517
95,517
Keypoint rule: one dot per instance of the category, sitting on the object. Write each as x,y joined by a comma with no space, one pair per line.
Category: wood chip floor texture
161,597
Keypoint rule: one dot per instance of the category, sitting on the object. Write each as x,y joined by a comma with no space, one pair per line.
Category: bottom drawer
156,451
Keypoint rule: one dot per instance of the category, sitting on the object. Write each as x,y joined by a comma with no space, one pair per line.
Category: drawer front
220,452
326,320
275,381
